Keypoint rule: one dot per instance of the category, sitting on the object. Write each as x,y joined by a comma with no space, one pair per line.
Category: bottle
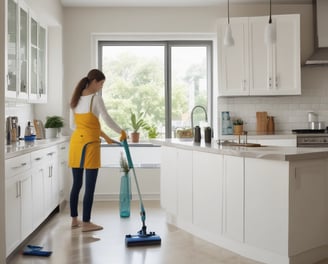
197,135
125,195
208,135
28,130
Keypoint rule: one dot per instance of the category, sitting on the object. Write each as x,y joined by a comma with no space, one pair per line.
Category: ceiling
177,3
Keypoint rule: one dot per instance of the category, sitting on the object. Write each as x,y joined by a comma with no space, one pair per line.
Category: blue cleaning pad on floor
36,251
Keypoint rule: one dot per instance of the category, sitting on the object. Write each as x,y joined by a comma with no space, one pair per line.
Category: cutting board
261,122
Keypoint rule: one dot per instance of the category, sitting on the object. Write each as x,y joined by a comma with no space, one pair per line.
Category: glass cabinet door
23,54
34,59
11,90
42,62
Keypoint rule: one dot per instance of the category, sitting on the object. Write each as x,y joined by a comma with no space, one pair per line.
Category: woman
84,151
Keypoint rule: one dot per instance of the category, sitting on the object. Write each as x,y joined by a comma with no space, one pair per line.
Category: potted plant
238,126
152,131
53,125
137,122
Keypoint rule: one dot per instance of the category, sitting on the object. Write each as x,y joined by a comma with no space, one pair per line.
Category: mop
142,238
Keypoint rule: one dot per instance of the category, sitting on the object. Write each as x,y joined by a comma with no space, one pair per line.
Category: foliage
238,122
124,164
137,121
152,131
54,122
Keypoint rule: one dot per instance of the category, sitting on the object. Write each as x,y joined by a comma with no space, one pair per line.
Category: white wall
81,23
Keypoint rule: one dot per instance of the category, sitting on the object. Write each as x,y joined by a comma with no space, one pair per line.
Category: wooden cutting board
261,122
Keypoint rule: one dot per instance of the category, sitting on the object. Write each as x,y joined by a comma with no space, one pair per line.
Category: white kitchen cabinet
169,185
63,170
207,192
266,197
233,197
39,169
251,67
12,50
275,69
18,201
234,61
51,185
23,59
184,177
26,55
308,205
38,62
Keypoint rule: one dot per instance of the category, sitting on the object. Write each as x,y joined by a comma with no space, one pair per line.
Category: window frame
168,45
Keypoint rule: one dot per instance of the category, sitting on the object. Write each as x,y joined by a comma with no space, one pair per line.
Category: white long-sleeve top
98,109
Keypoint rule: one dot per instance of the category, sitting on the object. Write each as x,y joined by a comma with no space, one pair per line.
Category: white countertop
263,152
23,147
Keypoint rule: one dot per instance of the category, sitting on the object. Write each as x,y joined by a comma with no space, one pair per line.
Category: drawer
63,149
17,165
37,157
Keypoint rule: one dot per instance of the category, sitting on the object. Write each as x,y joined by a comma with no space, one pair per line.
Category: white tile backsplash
290,112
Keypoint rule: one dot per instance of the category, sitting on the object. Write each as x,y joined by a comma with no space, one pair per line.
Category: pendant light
228,40
270,31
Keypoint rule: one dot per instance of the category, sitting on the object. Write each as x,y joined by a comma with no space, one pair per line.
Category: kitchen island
266,203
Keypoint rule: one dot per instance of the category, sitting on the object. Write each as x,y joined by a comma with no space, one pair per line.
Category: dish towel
36,251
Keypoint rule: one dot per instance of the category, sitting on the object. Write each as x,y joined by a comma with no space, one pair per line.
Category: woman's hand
123,136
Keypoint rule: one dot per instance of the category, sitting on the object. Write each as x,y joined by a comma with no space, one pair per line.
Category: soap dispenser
197,135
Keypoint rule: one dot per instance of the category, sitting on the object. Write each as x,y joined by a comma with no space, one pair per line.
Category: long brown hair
94,74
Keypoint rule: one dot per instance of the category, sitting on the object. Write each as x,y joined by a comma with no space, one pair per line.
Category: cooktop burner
309,131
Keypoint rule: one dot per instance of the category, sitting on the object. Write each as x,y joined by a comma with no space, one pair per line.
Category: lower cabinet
18,201
63,170
32,193
207,191
233,197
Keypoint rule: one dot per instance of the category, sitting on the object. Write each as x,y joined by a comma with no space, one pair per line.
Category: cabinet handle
21,165
50,153
18,189
270,83
38,158
63,148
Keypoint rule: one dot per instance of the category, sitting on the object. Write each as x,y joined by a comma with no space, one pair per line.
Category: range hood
320,55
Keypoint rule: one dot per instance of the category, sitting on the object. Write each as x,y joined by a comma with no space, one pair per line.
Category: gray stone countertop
263,152
22,147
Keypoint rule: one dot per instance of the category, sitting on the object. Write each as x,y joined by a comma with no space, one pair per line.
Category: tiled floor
71,246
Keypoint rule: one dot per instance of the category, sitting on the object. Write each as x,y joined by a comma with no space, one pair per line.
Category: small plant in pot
238,126
137,123
53,125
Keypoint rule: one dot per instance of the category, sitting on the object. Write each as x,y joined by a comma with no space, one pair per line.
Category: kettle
197,134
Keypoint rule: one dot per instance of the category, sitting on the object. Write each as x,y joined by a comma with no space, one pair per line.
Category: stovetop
309,131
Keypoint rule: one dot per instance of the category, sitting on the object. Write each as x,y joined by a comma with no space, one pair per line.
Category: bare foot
88,226
76,222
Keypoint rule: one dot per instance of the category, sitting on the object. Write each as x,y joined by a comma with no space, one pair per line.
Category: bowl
30,138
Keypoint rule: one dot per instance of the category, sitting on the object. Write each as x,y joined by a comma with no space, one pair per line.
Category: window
163,80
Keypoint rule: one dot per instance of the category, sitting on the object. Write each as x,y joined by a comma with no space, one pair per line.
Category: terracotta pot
135,137
238,129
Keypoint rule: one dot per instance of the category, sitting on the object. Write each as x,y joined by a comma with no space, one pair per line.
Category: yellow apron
84,149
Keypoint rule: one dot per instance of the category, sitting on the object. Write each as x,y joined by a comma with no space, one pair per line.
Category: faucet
192,114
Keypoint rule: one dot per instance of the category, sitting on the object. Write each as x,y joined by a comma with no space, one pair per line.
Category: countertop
263,152
22,147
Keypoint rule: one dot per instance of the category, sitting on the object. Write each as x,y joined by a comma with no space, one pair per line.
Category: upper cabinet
251,67
26,55
12,49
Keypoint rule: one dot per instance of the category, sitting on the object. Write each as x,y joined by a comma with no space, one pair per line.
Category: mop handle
128,156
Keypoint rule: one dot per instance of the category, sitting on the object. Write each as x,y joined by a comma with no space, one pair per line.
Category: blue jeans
90,184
